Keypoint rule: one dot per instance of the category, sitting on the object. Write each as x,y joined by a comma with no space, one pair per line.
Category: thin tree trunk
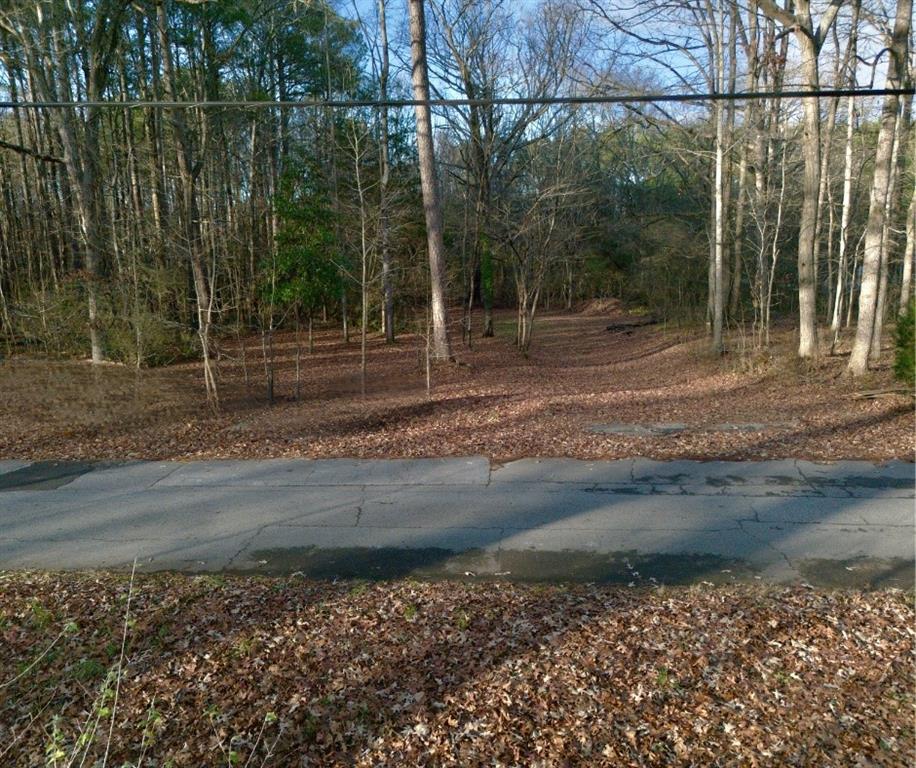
719,230
906,284
387,288
738,244
844,217
810,38
298,360
187,172
889,210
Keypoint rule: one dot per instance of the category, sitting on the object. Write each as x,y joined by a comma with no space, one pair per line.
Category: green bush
53,322
905,359
161,342
57,324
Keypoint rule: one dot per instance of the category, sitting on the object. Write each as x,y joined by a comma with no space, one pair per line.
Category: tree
846,212
810,39
432,205
909,252
53,51
877,208
385,179
302,277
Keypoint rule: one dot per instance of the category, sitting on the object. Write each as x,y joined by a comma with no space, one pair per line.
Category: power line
629,98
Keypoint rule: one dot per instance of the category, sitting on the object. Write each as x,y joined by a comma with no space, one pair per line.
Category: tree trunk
187,173
441,348
738,245
844,217
811,149
906,284
874,353
810,39
871,261
387,288
719,231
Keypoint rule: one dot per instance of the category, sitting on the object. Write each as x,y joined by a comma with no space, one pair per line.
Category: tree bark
844,217
871,261
720,187
874,354
441,348
719,232
807,226
906,283
810,39
387,288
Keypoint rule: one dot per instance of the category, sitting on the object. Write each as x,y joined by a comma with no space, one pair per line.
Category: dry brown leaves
274,672
495,403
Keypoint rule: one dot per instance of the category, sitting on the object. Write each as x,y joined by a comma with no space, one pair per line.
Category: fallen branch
874,394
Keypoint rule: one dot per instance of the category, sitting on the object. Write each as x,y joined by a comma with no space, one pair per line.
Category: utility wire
630,98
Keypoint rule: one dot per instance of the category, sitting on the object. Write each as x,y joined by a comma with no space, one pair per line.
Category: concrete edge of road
443,471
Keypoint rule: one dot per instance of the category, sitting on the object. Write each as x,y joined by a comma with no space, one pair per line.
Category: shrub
54,322
161,342
905,358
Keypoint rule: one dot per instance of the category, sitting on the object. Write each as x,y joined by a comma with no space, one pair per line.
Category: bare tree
846,211
384,180
717,33
810,39
432,206
42,33
486,51
188,171
877,209
909,252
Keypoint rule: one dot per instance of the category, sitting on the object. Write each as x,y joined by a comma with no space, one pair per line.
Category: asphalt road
633,521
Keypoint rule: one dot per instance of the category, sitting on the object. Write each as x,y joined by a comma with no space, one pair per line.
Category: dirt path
579,377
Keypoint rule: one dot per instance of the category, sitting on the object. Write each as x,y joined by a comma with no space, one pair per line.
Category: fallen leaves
503,405
453,673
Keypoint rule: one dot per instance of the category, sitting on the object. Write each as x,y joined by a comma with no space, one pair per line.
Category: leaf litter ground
493,402
291,672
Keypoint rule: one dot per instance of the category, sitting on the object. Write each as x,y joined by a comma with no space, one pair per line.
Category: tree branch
786,18
30,152
826,22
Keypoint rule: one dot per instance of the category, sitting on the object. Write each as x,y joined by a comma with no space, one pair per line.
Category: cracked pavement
845,523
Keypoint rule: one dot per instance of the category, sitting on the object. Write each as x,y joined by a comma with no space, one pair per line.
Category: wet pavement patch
729,480
348,562
854,481
859,573
516,565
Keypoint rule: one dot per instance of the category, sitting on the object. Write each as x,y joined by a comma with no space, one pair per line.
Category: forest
179,175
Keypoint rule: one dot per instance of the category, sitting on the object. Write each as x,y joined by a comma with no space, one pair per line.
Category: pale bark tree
877,208
890,208
846,213
909,252
332,164
429,182
810,39
718,33
766,54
